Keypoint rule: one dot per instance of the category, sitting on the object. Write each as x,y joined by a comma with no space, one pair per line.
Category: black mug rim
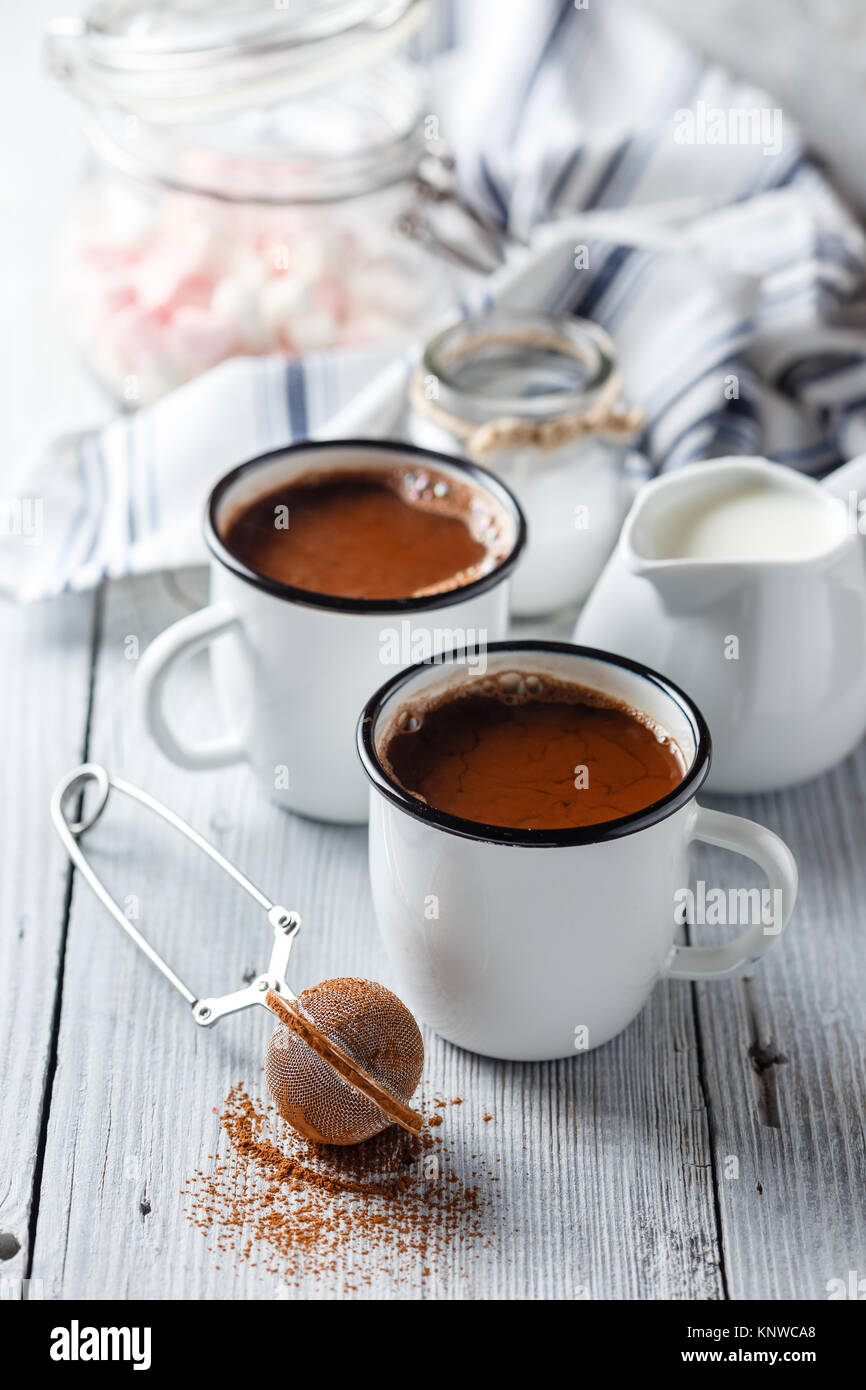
336,602
539,839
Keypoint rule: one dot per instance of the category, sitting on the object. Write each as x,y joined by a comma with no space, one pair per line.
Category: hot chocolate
370,533
529,752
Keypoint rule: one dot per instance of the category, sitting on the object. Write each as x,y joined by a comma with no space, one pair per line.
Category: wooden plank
46,657
785,1060
606,1184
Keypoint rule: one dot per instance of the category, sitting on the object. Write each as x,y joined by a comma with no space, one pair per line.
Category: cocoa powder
297,1209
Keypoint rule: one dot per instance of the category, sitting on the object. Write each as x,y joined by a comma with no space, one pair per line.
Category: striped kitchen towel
634,184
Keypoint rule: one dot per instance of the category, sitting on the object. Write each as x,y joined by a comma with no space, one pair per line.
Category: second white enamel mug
534,944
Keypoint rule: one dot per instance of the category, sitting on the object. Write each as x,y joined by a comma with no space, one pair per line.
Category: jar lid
183,60
245,101
510,380
509,362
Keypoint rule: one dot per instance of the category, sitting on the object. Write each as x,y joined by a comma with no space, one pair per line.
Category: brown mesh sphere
374,1031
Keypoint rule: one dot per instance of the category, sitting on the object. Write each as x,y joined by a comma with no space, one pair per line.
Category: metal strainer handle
285,924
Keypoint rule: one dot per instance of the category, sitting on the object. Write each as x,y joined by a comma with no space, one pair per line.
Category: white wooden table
715,1150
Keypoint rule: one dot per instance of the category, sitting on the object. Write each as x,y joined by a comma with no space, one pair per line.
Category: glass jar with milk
537,399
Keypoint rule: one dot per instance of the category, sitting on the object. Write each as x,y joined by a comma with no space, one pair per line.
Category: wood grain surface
714,1150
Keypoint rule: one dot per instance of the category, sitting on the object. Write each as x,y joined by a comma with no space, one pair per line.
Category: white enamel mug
532,944
292,668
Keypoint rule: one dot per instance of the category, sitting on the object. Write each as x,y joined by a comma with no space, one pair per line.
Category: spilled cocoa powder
293,1208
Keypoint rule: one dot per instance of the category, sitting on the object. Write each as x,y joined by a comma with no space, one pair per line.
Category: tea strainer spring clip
286,924
347,1055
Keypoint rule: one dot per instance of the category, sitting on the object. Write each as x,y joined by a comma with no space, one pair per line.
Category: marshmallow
313,330
237,303
198,339
167,298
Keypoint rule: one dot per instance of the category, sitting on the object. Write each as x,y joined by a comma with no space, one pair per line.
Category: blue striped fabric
712,248
740,315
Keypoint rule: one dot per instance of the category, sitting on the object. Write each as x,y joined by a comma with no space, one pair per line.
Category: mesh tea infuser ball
344,1061
346,1057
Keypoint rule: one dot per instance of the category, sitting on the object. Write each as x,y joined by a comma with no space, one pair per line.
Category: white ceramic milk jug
745,582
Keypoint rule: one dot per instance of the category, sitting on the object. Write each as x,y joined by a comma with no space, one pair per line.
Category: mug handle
773,856
183,639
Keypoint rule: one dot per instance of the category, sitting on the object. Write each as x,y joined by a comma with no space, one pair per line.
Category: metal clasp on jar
446,225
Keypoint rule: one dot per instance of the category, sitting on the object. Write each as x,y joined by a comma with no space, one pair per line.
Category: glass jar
536,399
255,171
